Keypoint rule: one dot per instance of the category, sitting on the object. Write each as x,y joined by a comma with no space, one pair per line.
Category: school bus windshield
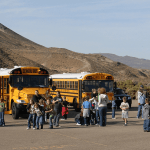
29,80
94,84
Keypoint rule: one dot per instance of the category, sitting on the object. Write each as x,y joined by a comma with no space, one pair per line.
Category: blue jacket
86,105
113,103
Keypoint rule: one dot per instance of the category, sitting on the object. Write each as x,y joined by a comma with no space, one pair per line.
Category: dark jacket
36,98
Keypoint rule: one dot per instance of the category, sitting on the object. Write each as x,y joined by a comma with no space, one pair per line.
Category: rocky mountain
17,50
130,61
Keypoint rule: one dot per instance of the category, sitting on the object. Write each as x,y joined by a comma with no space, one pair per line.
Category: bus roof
82,75
6,71
69,75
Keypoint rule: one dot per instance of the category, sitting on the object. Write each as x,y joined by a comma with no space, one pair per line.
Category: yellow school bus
75,86
18,85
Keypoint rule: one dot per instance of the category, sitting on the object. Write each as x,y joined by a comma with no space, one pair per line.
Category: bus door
80,93
5,92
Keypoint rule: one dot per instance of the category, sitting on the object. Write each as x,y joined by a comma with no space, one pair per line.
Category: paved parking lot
114,136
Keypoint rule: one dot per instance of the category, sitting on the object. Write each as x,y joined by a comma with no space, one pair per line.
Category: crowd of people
93,111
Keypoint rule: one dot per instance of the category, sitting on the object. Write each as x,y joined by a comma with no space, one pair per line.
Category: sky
120,27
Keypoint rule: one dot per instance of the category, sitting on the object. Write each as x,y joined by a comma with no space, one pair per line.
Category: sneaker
96,124
28,128
113,118
58,126
33,128
86,124
3,125
37,128
78,124
62,119
145,131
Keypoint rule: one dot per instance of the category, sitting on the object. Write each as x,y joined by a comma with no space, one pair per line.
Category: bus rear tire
15,111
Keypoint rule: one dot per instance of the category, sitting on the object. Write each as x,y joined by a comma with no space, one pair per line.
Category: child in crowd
93,111
39,117
2,108
46,108
113,107
146,116
64,109
86,110
31,109
124,106
41,104
50,111
79,118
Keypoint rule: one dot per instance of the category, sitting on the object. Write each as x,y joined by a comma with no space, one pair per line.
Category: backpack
142,99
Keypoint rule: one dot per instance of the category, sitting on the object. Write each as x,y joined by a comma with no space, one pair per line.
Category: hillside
17,50
130,61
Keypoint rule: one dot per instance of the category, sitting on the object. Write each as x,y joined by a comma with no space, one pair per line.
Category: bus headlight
20,101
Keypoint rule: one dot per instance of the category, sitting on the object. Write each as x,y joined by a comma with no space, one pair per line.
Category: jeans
2,118
139,110
113,112
146,125
56,119
102,114
50,121
85,120
77,121
96,117
39,119
31,116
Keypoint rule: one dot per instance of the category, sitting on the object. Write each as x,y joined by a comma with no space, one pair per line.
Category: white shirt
124,105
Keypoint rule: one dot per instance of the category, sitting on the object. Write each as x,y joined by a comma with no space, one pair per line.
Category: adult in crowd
102,106
141,100
86,110
36,97
57,108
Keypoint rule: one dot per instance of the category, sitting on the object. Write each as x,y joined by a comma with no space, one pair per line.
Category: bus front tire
15,111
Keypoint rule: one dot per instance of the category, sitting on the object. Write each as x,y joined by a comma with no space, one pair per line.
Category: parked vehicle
119,94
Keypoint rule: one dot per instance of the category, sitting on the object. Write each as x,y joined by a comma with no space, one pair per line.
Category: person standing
141,101
86,110
57,108
125,107
146,116
113,107
64,109
2,108
30,108
50,111
36,97
102,106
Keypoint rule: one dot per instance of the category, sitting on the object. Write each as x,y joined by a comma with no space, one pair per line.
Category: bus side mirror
50,82
53,88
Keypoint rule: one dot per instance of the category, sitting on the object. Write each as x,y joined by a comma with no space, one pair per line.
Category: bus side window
60,84
76,84
68,86
65,84
71,84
